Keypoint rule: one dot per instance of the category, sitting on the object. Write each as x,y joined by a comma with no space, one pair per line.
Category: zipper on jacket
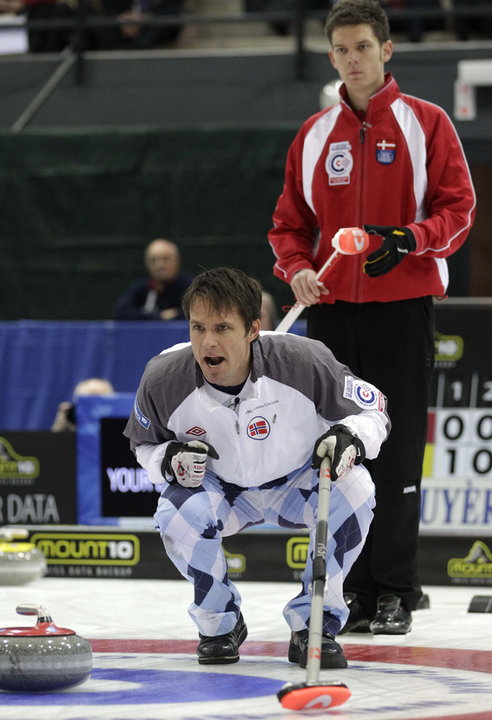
362,132
234,407
362,143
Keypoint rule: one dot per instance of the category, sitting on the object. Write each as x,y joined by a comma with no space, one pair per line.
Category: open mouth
213,362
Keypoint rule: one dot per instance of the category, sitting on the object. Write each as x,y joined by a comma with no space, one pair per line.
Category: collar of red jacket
380,100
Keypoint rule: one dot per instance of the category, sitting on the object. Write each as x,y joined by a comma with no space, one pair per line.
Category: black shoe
331,653
222,649
392,617
358,621
424,603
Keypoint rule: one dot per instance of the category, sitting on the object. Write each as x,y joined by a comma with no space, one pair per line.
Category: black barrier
462,16
37,478
125,487
253,555
102,456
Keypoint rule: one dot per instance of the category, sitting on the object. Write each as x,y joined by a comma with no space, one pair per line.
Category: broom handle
319,575
287,322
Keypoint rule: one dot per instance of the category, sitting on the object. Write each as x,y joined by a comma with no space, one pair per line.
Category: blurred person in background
132,30
269,315
43,39
65,419
157,296
141,35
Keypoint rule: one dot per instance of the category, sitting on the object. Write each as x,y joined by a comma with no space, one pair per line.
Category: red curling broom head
318,696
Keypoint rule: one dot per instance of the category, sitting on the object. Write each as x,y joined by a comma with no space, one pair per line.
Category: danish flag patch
385,152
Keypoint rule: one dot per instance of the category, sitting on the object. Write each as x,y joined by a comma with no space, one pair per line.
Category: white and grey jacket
295,391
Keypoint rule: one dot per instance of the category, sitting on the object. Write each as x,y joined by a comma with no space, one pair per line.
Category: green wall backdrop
78,208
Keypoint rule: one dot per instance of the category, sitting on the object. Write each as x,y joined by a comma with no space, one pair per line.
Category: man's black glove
397,242
342,447
186,461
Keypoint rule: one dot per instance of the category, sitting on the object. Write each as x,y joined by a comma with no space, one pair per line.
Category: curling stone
20,562
42,657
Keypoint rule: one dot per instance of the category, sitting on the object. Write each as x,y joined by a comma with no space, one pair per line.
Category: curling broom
314,694
347,241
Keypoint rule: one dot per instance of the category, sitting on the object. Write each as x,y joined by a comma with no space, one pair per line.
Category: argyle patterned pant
192,523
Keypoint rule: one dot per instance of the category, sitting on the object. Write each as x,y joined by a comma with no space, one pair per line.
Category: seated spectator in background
279,26
10,7
65,419
158,296
269,315
43,39
147,36
415,26
137,35
467,27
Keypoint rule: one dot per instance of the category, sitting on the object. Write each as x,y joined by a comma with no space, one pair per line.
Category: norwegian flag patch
385,152
258,428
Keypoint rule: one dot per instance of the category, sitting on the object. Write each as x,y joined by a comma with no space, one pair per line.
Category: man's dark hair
226,289
358,12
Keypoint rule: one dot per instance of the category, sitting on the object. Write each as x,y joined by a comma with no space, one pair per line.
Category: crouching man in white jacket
238,423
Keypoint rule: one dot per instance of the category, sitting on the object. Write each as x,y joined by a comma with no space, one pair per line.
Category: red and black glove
397,243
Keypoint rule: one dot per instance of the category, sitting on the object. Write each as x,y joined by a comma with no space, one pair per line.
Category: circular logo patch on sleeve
363,394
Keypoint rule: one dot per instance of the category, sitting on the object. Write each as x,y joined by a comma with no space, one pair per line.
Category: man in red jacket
393,164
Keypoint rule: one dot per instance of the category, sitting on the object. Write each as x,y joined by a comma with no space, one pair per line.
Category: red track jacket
402,165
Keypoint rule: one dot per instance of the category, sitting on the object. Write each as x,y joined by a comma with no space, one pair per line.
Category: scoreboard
457,471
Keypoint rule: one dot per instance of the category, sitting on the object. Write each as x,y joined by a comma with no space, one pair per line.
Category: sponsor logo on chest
339,163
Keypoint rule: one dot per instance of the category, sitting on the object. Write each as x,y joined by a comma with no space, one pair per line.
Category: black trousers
392,346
